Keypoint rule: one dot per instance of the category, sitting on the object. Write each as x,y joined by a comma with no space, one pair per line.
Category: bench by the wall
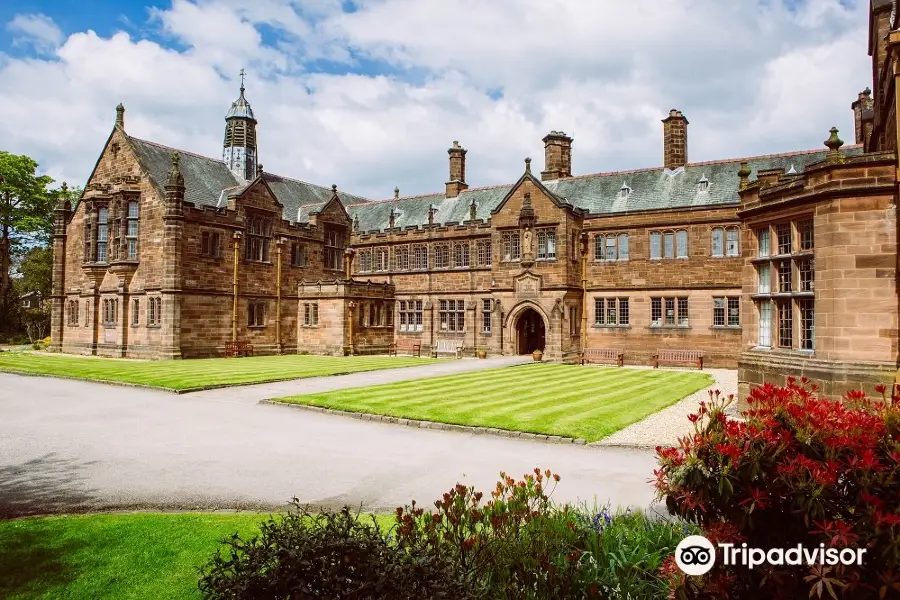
665,355
235,349
603,355
447,347
406,346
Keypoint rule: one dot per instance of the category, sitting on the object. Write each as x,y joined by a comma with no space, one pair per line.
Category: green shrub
324,556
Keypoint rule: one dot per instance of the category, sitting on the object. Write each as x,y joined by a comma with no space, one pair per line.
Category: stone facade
170,255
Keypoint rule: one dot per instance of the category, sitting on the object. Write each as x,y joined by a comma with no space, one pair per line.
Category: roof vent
792,170
703,184
625,191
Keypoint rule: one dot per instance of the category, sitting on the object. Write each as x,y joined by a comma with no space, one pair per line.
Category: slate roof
651,189
208,181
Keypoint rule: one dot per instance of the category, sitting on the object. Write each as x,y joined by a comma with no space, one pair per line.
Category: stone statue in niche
527,240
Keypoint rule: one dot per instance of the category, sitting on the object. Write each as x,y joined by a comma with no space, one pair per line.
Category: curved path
69,446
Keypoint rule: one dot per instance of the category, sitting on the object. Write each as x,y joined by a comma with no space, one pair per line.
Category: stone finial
834,143
392,219
120,116
431,210
473,209
396,193
356,223
176,179
528,164
259,170
334,188
744,174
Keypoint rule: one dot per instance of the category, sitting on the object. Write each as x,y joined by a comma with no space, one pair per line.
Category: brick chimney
675,147
861,107
557,156
457,182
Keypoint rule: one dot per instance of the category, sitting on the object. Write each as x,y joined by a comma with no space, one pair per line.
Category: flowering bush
518,544
800,469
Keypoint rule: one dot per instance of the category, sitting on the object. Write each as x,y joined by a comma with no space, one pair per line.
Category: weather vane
243,73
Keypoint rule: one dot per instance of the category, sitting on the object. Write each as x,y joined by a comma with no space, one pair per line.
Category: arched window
365,261
441,256
131,233
681,243
512,249
102,234
623,246
718,241
546,244
732,241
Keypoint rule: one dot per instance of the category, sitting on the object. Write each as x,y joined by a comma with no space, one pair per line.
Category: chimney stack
457,182
861,107
675,147
557,156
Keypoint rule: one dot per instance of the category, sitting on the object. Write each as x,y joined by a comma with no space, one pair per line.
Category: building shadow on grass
44,485
33,557
33,560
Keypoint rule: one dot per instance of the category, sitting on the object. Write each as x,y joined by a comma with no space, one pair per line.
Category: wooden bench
410,347
603,355
447,347
694,357
235,349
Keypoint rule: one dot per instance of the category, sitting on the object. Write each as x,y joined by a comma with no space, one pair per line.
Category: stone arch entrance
531,334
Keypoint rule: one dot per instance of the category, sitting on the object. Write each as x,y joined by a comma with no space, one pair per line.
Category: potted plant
481,353
537,355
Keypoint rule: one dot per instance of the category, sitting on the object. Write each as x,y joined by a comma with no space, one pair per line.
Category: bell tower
240,138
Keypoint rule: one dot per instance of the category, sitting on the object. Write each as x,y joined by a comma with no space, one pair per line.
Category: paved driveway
74,446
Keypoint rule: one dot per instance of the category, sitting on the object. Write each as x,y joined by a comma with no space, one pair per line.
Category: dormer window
625,190
703,184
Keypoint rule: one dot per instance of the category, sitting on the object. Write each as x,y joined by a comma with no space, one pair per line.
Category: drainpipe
234,300
279,245
350,306
475,328
584,297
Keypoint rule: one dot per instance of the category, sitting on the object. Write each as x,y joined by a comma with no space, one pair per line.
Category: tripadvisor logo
696,555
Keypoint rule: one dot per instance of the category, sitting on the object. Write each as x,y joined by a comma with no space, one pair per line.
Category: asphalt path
70,446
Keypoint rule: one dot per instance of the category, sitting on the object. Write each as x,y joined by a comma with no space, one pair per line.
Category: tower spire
240,151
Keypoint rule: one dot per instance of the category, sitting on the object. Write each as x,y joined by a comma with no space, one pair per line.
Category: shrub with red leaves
800,469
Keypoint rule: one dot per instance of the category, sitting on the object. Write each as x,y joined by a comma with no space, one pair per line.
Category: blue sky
370,94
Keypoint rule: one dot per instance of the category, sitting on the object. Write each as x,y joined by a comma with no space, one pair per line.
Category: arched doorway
530,334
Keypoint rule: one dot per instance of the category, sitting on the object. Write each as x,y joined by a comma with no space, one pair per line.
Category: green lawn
552,399
116,556
119,557
197,373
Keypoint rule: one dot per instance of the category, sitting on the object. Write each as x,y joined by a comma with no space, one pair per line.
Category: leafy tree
36,270
26,219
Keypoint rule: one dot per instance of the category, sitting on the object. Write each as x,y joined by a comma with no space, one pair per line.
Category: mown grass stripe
567,400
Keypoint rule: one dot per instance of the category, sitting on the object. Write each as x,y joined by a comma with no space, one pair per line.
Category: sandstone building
778,265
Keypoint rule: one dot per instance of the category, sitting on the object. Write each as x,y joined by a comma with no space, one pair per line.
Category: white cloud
753,78
36,30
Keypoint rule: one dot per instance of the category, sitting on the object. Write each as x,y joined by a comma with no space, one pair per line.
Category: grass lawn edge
189,390
425,424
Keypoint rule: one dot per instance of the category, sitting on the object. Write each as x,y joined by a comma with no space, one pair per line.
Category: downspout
584,297
893,37
234,300
279,245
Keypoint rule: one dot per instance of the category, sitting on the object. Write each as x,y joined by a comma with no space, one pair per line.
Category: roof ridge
194,154
474,189
178,150
709,162
327,189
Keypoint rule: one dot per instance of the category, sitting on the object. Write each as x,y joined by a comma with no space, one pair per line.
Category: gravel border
665,427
